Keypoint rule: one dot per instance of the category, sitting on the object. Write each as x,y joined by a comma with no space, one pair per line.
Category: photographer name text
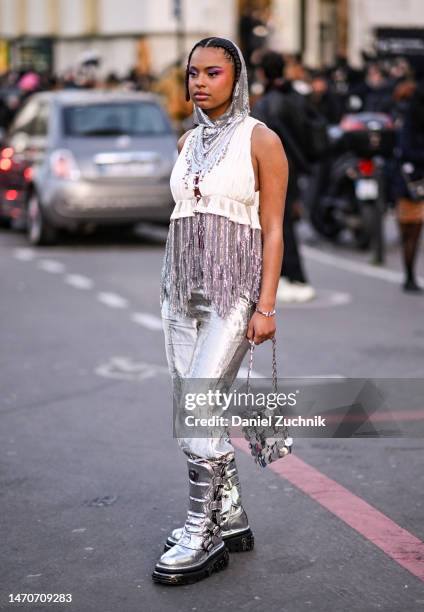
259,421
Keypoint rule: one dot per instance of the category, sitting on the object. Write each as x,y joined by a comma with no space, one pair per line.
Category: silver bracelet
266,313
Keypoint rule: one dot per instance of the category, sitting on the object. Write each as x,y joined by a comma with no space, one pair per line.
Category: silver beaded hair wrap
210,142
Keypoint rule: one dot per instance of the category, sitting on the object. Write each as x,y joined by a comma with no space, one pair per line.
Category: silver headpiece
211,139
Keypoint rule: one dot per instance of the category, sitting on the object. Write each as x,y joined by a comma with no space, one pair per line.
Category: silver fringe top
211,251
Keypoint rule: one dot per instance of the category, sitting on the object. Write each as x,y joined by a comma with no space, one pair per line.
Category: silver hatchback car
88,158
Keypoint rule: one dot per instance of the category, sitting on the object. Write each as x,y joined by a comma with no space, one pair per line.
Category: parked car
10,100
74,158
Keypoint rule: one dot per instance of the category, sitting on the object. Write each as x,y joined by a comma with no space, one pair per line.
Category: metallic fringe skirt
210,251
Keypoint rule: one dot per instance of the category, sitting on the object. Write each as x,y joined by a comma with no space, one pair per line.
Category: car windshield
132,118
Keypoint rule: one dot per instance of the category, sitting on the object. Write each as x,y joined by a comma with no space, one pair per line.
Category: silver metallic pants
201,344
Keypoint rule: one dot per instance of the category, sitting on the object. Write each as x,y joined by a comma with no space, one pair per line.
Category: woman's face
210,80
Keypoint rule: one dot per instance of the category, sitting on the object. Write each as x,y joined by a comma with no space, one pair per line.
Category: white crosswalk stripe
79,281
147,320
112,299
51,265
24,254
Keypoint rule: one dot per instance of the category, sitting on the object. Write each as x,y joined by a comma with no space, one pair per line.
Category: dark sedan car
75,158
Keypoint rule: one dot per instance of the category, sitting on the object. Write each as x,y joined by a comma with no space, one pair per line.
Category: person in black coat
409,209
374,91
280,109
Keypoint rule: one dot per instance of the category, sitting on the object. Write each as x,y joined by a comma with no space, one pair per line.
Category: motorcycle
351,189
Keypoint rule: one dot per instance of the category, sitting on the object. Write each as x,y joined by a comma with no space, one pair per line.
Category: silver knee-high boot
200,549
236,532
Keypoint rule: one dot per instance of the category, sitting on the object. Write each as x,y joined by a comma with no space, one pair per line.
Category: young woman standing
219,281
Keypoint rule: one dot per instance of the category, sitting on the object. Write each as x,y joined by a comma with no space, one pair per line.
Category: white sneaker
284,290
294,292
303,292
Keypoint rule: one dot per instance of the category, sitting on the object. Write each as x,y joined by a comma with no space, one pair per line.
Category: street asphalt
91,480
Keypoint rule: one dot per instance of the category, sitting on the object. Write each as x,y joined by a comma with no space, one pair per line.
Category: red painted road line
403,547
396,416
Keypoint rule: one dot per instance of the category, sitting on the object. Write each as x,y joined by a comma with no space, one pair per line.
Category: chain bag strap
262,449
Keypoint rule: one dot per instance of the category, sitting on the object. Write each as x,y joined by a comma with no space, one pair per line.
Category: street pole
379,210
178,14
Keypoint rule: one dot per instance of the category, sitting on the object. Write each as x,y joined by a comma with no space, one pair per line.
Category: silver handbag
265,443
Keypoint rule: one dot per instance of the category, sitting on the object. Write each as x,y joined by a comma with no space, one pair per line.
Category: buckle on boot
231,481
208,544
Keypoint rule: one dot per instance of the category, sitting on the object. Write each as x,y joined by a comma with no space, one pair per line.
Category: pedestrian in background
323,98
409,185
374,90
281,109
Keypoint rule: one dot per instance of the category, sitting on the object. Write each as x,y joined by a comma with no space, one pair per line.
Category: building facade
322,29
150,35
124,33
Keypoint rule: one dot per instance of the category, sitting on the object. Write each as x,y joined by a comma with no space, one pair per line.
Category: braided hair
230,53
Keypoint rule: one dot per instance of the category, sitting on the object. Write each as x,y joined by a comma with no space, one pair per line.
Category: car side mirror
2,136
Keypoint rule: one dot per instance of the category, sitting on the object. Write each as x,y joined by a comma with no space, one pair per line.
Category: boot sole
239,542
214,564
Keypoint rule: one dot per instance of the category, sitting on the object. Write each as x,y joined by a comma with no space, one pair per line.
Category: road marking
147,320
24,254
51,265
123,368
325,298
112,299
33,575
398,543
78,281
391,276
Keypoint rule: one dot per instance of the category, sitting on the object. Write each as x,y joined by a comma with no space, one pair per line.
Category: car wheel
5,222
39,230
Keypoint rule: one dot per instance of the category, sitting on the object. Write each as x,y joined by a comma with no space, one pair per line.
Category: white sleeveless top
228,189
214,243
